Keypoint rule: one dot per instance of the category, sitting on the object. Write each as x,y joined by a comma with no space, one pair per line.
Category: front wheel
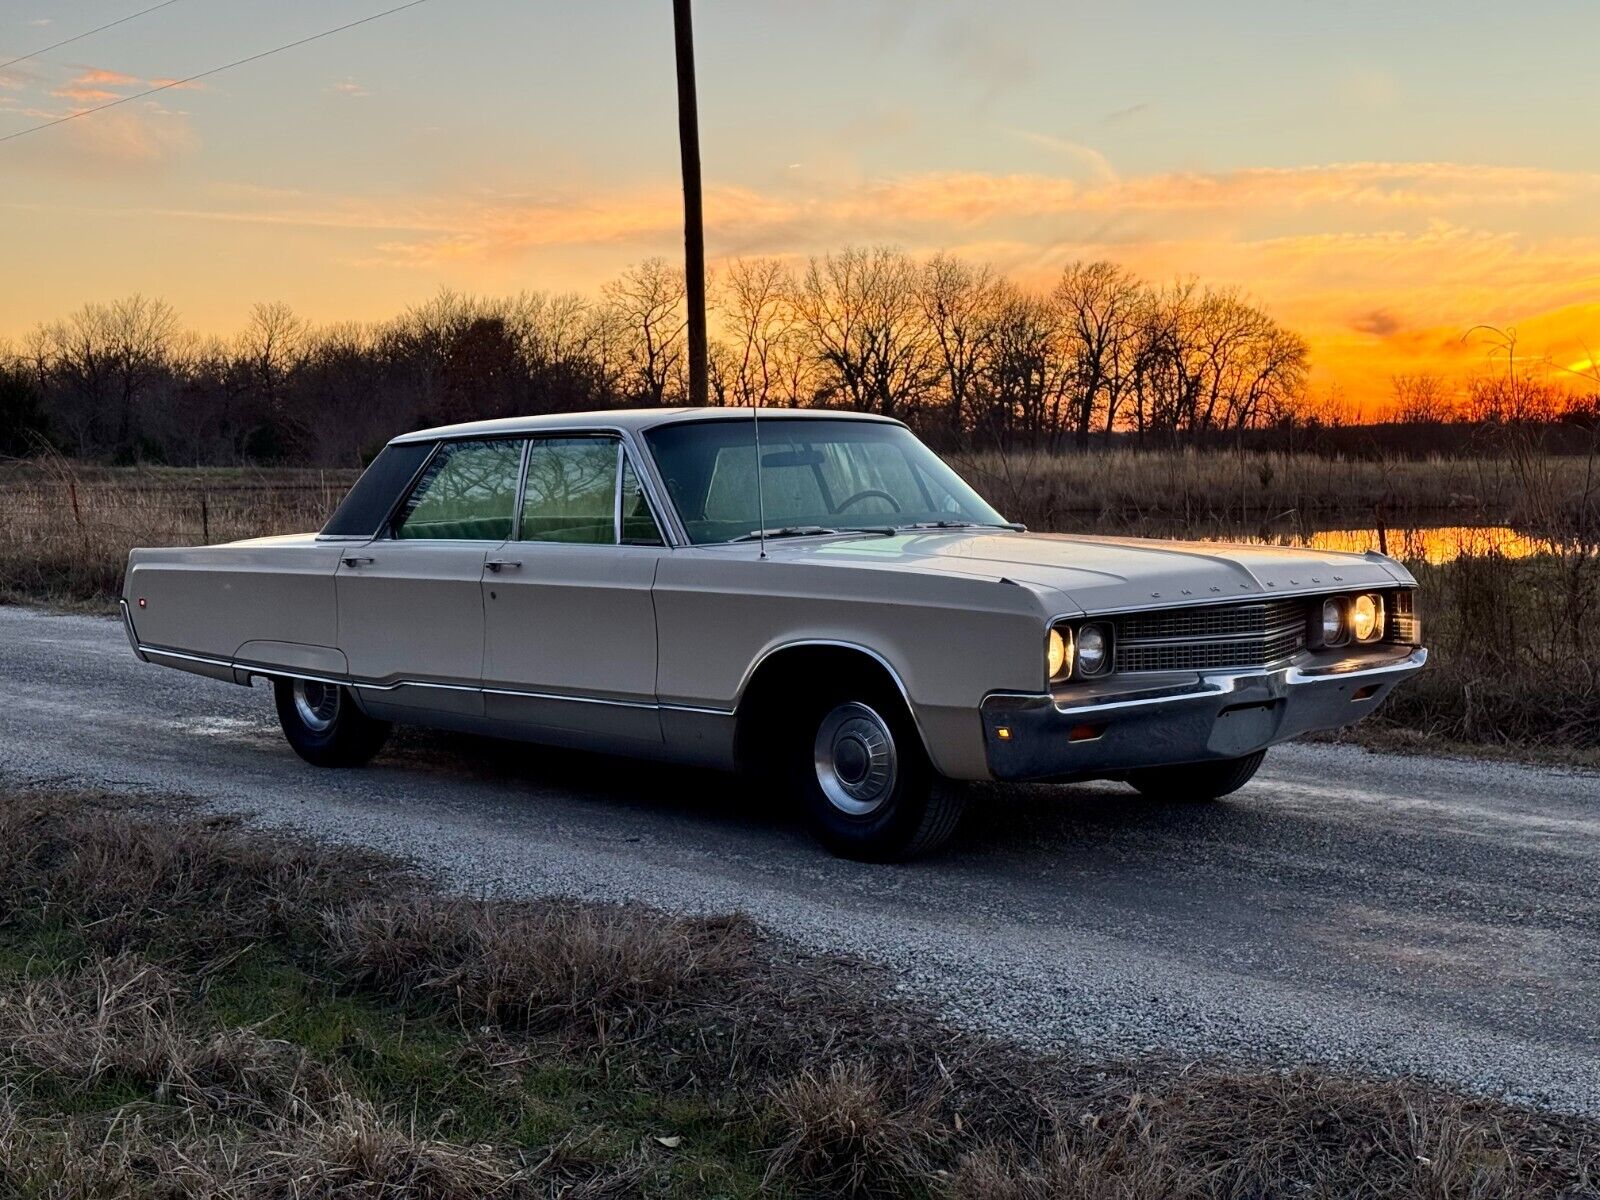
323,724
865,781
1197,781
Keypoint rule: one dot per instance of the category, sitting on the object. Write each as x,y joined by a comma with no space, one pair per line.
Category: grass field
1198,487
188,1008
1515,637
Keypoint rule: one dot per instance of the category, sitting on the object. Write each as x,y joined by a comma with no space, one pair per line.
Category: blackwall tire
324,726
864,780
1197,782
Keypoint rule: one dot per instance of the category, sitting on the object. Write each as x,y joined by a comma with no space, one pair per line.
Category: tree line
961,353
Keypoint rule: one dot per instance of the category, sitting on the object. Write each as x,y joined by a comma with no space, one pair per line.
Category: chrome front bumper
1212,716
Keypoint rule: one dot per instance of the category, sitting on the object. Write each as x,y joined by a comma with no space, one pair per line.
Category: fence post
205,518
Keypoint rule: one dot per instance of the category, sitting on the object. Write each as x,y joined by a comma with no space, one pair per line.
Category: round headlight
1366,618
1093,648
1332,622
1055,655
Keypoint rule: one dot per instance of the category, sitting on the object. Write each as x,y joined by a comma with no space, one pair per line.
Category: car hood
1103,573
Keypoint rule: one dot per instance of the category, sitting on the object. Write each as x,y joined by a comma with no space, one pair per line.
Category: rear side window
368,504
467,493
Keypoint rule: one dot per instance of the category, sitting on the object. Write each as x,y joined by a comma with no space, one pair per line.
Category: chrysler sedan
813,595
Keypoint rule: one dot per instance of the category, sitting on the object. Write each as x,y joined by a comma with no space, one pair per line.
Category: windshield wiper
1014,526
792,531
787,531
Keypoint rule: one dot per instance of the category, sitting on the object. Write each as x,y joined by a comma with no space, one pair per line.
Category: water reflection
1419,543
1437,544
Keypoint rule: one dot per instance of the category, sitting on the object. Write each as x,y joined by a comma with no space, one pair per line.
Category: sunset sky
1380,176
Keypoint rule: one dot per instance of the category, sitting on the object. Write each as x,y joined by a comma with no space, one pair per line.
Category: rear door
570,629
410,602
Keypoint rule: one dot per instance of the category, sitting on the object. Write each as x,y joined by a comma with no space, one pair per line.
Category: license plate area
1244,728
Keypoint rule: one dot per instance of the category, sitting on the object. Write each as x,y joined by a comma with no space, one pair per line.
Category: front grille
1403,628
1211,636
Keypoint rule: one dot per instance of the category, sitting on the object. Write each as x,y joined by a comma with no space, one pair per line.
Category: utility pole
694,234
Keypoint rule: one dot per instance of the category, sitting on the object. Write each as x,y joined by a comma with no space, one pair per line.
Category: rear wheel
323,724
1197,781
865,781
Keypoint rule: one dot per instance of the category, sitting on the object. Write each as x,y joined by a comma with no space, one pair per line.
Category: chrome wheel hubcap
855,759
316,703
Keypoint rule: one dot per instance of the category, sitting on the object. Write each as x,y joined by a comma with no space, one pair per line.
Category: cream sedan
815,595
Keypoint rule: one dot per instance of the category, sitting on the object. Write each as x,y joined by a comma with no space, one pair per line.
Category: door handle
357,560
500,564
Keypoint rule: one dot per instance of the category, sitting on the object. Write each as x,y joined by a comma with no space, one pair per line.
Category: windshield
816,476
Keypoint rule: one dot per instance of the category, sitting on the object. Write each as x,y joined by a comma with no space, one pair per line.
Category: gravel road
1376,912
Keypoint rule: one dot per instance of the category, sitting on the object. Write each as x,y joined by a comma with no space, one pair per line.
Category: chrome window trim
650,507
522,489
668,523
616,495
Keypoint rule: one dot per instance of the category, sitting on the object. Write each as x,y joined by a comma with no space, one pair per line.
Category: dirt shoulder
184,1001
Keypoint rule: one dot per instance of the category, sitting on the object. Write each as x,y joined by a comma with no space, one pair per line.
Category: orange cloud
85,95
96,75
1382,266
117,143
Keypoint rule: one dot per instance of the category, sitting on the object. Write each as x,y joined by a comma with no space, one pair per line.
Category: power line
78,37
174,83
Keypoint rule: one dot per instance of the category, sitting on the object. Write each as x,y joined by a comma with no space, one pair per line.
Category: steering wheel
868,494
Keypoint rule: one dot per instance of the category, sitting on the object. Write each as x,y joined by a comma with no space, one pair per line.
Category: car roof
630,419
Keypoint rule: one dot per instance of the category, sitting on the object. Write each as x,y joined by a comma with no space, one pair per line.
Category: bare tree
648,301
763,326
106,359
1026,374
860,309
1098,302
1420,400
959,307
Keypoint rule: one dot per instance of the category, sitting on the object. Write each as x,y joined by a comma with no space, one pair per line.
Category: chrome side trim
255,669
127,628
883,662
899,683
566,699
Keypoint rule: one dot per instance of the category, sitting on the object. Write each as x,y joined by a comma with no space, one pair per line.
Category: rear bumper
1214,716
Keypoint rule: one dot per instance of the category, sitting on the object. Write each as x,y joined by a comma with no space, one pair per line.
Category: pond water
1431,543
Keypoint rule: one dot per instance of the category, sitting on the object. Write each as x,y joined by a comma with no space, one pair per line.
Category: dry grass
604,971
845,1131
1048,491
406,1045
1516,657
65,530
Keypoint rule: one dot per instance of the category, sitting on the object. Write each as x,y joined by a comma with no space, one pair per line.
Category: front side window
639,526
836,474
571,493
467,493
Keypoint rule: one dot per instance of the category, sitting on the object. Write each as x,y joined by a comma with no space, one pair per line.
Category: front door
570,633
411,602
